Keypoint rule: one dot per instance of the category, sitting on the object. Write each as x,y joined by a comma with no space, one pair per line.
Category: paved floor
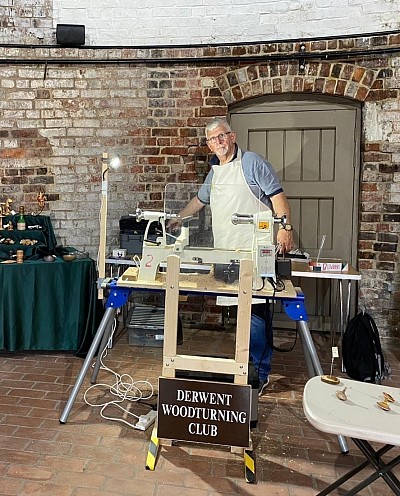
92,456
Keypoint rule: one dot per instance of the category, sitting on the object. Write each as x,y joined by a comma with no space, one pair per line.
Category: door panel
313,151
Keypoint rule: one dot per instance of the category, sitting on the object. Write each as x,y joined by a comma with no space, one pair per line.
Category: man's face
221,141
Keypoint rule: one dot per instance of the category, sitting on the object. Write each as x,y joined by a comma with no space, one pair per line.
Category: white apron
231,194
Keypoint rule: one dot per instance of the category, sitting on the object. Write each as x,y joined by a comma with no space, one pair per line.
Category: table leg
345,313
383,470
372,458
310,353
104,341
105,323
314,365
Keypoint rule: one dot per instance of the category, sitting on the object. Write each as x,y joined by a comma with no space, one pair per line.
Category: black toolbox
131,233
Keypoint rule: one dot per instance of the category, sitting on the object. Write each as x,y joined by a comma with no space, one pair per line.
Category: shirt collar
215,160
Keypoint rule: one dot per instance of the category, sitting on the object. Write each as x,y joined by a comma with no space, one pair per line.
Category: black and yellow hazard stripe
249,467
152,451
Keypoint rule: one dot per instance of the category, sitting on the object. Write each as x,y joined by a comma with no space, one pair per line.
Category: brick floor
90,456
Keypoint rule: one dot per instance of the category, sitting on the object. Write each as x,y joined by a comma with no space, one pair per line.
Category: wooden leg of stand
153,451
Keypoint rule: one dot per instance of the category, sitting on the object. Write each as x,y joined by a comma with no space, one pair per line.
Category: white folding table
360,418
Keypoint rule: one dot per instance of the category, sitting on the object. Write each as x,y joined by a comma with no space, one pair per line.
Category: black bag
361,350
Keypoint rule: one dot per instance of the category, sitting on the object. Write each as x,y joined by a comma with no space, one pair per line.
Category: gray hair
217,122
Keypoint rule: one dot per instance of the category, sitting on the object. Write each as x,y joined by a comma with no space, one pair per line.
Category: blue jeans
261,347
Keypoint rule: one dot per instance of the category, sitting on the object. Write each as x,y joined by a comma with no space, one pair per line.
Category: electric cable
124,389
268,320
263,285
289,348
137,260
279,283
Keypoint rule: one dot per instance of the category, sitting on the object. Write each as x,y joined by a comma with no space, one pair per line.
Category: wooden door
313,146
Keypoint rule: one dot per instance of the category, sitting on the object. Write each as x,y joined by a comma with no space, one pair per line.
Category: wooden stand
238,366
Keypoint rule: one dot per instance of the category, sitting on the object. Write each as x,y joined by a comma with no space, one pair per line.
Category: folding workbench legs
115,301
295,309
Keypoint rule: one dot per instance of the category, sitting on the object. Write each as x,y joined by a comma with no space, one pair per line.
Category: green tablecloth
47,305
44,237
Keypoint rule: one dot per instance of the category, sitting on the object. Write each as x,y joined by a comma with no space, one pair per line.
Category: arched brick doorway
267,90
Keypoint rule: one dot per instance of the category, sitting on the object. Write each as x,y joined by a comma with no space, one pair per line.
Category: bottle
20,256
21,223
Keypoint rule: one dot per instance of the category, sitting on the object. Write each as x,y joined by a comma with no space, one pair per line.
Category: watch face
288,227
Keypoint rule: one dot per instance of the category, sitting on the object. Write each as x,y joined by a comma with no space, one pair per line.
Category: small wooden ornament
330,379
342,394
388,397
384,405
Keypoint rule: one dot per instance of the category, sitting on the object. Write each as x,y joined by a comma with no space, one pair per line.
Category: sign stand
238,366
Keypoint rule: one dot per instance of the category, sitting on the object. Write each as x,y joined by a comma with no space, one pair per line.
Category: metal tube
309,349
104,325
242,219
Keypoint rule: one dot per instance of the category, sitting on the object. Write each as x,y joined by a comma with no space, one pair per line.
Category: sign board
204,412
329,266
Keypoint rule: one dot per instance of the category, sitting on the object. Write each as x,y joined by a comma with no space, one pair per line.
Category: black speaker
70,34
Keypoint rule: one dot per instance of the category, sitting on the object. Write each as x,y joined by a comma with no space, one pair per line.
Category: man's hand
284,240
174,224
190,210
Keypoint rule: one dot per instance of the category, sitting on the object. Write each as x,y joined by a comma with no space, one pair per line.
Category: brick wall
26,21
189,22
61,108
156,22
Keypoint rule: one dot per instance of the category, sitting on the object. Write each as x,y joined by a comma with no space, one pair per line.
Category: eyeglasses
220,137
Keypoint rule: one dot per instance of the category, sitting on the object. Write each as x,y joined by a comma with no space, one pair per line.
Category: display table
47,305
303,269
38,229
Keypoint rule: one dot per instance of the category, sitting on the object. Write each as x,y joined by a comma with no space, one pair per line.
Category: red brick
25,472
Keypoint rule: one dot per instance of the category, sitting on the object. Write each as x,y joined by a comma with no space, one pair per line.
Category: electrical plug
146,420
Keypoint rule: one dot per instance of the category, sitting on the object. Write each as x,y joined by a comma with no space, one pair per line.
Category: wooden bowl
69,257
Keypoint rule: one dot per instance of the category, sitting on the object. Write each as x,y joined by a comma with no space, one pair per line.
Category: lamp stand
103,223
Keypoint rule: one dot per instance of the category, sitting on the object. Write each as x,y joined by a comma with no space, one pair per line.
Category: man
242,181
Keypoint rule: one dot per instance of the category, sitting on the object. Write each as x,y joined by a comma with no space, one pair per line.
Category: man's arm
281,207
194,206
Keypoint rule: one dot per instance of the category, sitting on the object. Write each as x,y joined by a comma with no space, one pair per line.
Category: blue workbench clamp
118,296
296,309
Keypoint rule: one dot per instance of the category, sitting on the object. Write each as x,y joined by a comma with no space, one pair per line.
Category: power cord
125,389
290,348
277,286
280,286
268,318
137,260
262,286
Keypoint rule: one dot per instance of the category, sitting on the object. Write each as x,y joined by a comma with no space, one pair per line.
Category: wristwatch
287,227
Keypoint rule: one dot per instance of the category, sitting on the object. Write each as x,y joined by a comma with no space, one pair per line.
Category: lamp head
114,162
109,162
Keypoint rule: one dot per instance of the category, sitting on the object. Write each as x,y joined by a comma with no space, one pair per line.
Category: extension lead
125,389
145,421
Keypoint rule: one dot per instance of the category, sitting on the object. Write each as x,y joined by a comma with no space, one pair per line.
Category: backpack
361,350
